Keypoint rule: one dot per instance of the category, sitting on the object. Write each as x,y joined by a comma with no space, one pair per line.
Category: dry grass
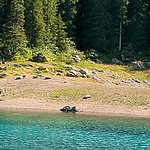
57,90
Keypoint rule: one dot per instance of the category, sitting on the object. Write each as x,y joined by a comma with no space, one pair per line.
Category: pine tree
34,23
96,27
135,30
13,33
50,18
68,11
114,11
61,35
147,23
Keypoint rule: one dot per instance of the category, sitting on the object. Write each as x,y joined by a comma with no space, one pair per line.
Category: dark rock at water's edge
69,109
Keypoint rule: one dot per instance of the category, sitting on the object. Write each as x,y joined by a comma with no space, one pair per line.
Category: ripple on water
47,131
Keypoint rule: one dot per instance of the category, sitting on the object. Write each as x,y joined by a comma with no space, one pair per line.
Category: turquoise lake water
63,131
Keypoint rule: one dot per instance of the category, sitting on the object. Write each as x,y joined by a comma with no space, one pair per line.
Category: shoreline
52,95
83,108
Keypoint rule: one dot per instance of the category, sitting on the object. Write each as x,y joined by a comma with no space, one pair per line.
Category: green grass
60,59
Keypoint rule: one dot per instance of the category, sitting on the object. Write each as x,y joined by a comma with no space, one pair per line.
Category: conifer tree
50,18
13,33
135,16
68,11
95,25
61,35
147,23
34,23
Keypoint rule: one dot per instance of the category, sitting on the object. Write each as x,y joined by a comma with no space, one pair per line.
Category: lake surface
63,131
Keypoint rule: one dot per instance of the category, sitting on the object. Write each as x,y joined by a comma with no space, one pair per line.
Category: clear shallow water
46,131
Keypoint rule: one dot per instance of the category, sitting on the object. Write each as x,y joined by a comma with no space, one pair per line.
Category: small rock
36,69
23,76
95,73
60,74
3,68
18,78
136,80
47,78
139,65
41,75
92,62
84,76
72,73
1,62
3,75
28,67
69,67
100,61
116,61
87,96
16,65
85,71
99,70
35,77
147,64
47,69
23,68
77,58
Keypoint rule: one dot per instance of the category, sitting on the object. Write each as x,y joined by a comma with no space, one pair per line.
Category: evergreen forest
94,27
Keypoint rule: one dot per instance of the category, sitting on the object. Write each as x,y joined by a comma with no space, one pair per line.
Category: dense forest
101,25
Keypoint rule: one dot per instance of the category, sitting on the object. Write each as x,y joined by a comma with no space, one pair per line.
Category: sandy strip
90,108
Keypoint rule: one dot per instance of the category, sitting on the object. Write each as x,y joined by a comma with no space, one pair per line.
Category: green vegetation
101,29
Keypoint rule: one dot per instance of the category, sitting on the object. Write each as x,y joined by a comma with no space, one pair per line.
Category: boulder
47,78
2,61
18,78
69,109
116,61
3,68
35,77
138,65
39,57
69,67
77,58
100,61
41,75
85,72
16,65
3,75
99,70
27,67
72,73
60,74
147,64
